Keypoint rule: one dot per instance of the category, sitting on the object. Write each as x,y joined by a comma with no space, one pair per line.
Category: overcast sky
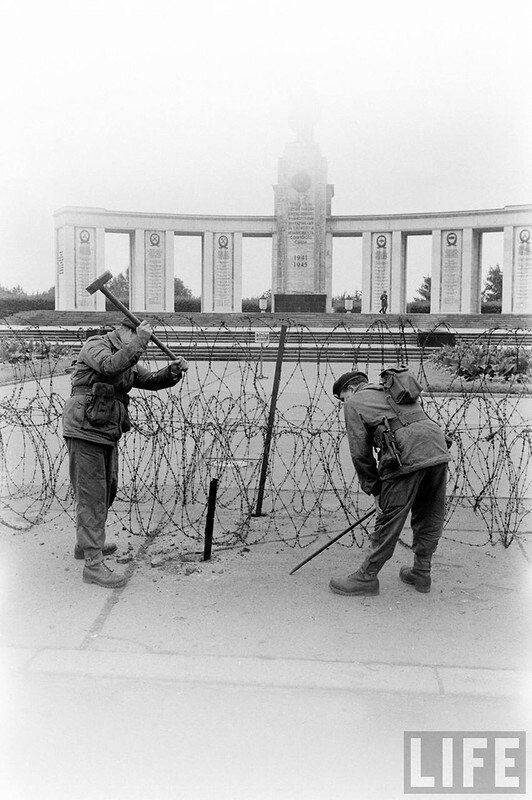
183,108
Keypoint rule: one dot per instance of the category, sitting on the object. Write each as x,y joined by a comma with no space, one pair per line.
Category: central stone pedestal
301,303
302,252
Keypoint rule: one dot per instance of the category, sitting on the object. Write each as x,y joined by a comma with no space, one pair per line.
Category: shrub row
477,360
13,351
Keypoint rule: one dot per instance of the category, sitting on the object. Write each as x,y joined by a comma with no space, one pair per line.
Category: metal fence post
271,418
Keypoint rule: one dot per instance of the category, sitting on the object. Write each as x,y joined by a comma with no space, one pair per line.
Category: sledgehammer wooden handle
99,283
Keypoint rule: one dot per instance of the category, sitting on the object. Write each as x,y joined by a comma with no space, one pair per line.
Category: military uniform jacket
106,370
420,444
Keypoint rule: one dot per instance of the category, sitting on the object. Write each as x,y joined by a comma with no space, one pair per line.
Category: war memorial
301,229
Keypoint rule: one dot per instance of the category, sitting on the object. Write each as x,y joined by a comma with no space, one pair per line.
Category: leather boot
359,583
107,550
416,577
102,575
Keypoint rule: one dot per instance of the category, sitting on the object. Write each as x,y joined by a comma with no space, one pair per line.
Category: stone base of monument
301,303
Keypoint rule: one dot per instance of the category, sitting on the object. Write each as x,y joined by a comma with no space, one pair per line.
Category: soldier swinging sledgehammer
410,475
94,418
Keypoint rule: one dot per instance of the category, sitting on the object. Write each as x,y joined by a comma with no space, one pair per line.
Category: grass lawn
36,369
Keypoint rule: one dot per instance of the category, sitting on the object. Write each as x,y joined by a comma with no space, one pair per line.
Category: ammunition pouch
102,408
99,409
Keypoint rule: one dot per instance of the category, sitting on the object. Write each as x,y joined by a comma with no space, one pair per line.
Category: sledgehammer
99,283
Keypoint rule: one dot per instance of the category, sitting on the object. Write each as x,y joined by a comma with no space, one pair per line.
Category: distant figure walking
384,303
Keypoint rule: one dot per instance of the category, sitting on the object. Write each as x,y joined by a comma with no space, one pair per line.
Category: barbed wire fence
213,424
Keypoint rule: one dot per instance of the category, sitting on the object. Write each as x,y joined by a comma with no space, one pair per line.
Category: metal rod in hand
271,418
332,541
209,524
99,283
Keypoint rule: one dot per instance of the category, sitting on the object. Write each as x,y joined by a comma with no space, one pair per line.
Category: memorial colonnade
455,267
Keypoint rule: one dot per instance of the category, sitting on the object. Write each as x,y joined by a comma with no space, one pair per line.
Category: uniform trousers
94,478
422,493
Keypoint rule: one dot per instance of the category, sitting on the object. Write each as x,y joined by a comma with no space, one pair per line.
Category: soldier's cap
348,379
127,323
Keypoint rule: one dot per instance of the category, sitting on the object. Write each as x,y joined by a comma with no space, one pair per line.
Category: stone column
100,266
508,270
275,285
227,273
237,272
452,268
89,261
397,295
435,280
169,270
207,288
151,279
154,269
381,268
470,272
65,282
522,270
137,284
328,270
366,273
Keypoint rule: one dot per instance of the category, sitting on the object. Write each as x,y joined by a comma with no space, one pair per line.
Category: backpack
402,387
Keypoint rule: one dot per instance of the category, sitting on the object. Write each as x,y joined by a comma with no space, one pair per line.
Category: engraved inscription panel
451,271
85,265
154,276
223,289
522,270
381,259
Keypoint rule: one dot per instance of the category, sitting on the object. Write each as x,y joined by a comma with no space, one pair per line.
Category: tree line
16,299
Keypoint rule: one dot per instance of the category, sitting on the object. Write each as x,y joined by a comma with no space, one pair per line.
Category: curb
274,673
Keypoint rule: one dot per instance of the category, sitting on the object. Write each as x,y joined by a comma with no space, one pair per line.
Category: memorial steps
325,337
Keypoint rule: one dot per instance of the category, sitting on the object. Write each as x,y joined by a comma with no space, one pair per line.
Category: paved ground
234,680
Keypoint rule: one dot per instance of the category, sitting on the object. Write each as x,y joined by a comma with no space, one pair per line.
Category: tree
16,291
180,290
492,291
119,285
424,290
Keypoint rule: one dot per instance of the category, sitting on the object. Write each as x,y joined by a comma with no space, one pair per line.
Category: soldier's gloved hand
144,332
178,366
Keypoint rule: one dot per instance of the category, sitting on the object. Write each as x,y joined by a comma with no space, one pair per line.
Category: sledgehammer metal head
100,282
99,285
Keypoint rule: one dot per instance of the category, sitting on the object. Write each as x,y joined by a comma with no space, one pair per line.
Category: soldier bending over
410,475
